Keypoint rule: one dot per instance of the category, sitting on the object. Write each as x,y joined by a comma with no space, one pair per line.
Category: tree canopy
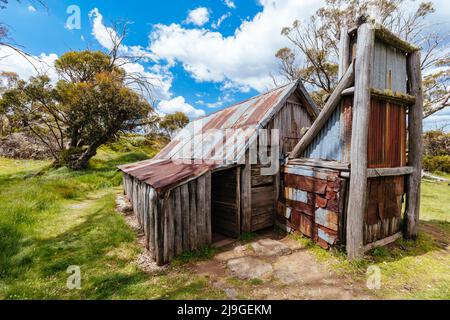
88,106
313,56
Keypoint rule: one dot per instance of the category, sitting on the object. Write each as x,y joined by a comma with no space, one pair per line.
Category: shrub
437,163
436,143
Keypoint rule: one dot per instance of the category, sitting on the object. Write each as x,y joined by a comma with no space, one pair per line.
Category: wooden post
208,177
411,225
246,193
358,154
344,52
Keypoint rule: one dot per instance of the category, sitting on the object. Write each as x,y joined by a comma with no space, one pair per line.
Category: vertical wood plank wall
178,221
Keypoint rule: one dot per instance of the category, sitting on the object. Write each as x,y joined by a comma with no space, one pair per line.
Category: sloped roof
209,140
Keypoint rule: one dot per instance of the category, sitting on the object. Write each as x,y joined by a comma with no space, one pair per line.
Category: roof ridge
248,99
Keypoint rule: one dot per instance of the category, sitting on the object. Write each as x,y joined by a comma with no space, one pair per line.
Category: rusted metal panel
387,135
296,195
163,174
217,140
326,218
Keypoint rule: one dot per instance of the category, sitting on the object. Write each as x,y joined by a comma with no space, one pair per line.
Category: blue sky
202,55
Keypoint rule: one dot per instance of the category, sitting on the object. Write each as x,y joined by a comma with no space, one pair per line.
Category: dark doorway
225,202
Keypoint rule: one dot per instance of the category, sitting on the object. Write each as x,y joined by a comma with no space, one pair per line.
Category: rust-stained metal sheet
213,137
163,174
217,140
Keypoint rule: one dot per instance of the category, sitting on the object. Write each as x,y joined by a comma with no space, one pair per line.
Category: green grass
409,269
205,253
51,219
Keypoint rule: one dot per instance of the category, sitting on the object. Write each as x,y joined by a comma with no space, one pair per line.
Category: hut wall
263,188
389,68
333,140
175,221
290,121
312,203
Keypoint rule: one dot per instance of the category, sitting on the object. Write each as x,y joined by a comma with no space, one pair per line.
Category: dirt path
270,267
274,268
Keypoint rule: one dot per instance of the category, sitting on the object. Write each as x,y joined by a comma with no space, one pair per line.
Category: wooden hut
347,178
187,194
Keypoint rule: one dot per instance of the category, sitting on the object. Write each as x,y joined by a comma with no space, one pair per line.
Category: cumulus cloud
179,104
158,76
198,16
245,58
230,4
27,66
30,8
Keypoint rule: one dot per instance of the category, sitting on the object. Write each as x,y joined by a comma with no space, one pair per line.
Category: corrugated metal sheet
389,68
162,174
217,140
387,135
328,142
203,138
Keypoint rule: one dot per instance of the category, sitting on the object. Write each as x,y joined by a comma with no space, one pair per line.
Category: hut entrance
225,204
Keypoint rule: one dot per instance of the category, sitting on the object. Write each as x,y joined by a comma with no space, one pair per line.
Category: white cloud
198,16
216,25
179,104
230,4
246,58
27,66
158,76
30,8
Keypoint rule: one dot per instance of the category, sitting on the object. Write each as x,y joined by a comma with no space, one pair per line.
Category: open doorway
225,204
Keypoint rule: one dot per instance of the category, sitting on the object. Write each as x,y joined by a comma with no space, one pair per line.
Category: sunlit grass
51,219
409,269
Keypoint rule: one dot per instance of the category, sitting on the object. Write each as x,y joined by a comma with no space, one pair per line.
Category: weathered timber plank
201,211
185,212
178,234
193,240
415,147
382,242
344,52
246,193
386,172
358,153
208,207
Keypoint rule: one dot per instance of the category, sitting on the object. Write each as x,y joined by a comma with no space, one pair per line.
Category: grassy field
54,218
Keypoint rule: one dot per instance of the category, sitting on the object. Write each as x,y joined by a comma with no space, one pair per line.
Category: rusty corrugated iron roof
217,140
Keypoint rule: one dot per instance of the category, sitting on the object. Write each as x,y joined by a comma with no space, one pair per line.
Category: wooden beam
389,172
320,163
388,95
246,196
325,114
382,242
415,147
344,52
358,154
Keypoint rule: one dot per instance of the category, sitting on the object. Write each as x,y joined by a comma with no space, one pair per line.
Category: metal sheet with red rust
387,135
306,183
163,174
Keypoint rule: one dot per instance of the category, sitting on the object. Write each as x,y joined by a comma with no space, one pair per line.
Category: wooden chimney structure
348,177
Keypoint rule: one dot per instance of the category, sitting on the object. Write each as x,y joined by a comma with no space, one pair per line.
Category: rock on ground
246,268
270,248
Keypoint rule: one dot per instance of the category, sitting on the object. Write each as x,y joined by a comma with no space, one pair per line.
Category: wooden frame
358,154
